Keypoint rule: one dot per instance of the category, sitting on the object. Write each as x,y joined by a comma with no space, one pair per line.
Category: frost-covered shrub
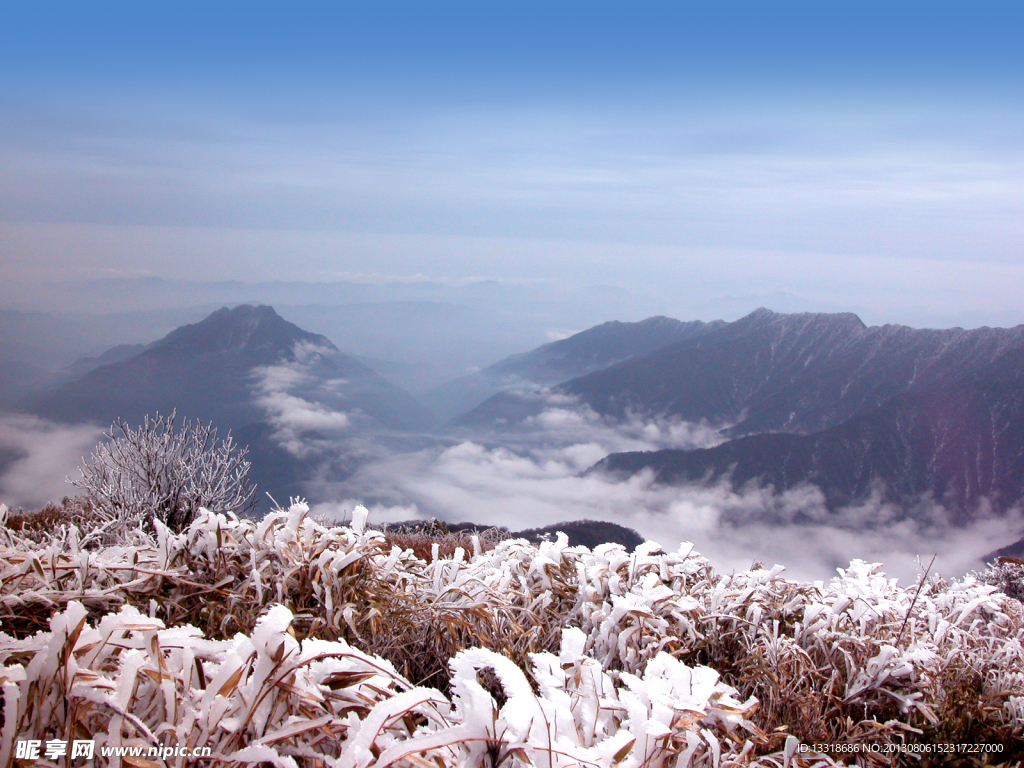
129,681
432,536
1007,574
167,473
861,659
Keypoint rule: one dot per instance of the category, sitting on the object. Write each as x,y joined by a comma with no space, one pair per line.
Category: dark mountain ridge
594,349
957,445
206,370
798,373
250,371
117,354
950,425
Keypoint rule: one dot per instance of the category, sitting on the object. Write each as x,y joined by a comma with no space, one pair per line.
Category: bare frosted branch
166,473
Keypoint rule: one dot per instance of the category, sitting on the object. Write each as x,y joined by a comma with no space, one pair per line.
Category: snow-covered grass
285,641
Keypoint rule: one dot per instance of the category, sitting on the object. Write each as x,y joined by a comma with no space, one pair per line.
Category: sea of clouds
537,475
37,455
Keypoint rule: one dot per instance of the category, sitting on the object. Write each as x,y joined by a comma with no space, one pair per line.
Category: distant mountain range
84,365
823,399
482,397
816,399
805,399
248,370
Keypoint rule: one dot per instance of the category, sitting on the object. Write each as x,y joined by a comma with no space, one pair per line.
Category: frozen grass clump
515,655
270,698
39,525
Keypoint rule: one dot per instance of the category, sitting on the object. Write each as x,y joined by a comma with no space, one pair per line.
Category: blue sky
860,156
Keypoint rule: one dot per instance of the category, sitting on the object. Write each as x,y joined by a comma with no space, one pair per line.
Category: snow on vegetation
285,642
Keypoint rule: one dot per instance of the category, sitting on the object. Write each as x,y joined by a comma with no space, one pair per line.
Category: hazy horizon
865,158
437,186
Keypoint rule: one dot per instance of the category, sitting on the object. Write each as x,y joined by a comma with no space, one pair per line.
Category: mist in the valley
39,456
531,474
538,476
418,334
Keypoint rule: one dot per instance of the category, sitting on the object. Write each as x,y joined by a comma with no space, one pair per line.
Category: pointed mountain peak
237,328
659,321
243,316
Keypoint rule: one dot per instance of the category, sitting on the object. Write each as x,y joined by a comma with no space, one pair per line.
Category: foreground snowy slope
286,642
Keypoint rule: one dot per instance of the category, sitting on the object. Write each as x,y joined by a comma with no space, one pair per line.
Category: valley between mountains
771,435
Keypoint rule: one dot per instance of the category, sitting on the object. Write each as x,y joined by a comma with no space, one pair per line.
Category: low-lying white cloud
292,417
280,389
528,484
565,420
43,455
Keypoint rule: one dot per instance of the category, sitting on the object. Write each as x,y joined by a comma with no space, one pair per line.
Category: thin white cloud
675,203
293,415
565,420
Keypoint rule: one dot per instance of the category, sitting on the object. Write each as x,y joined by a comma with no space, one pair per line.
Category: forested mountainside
957,444
820,399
